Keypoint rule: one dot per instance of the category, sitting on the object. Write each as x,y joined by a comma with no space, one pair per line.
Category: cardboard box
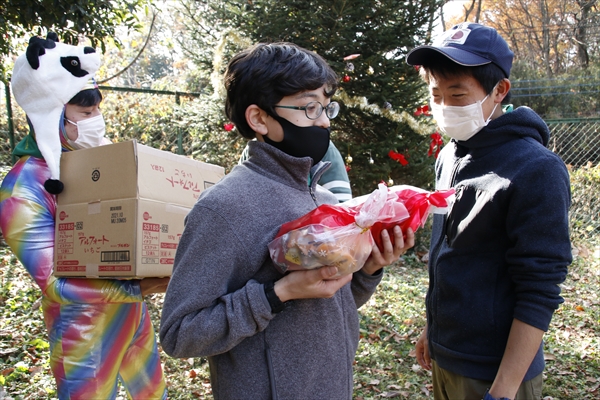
122,211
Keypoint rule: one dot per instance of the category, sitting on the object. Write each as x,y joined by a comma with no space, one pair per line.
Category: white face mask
90,132
461,122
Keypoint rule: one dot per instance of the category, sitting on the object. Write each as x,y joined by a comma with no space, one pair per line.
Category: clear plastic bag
343,235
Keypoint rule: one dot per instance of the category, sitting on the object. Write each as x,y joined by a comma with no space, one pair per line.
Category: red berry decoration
394,155
435,145
228,127
422,110
346,78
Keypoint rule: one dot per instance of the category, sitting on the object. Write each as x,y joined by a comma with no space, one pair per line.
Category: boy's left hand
391,252
154,285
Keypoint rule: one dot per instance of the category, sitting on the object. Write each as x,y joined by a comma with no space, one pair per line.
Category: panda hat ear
52,36
44,79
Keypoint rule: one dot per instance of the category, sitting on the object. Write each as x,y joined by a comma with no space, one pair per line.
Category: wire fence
577,142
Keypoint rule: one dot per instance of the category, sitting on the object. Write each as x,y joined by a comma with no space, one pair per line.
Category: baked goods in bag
343,235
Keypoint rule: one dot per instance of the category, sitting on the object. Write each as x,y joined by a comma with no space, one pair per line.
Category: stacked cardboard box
122,211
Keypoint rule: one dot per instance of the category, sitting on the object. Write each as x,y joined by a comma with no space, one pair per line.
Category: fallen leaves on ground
385,365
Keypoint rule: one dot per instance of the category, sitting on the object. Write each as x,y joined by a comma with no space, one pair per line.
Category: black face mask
298,141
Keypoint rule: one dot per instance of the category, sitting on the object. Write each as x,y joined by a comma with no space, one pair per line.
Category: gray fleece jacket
215,304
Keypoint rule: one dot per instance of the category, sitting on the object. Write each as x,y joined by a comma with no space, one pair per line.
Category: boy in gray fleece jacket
268,335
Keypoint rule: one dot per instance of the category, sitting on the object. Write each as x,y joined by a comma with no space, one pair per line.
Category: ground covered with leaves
385,364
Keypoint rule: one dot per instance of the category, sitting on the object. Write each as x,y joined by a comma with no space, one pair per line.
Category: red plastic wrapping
418,202
343,234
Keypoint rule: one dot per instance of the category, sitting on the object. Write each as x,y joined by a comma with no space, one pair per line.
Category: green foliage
19,126
195,126
572,344
203,120
148,58
381,33
23,338
585,220
71,20
145,117
378,135
210,38
573,94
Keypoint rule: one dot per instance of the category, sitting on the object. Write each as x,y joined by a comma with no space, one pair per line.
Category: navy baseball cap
467,44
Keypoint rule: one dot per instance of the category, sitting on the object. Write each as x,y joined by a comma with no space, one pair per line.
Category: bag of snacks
343,235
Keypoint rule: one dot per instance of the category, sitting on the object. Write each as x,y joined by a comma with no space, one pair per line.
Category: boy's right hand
311,284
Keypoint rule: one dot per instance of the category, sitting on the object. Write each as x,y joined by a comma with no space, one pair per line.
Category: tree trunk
478,13
468,10
581,32
546,36
442,16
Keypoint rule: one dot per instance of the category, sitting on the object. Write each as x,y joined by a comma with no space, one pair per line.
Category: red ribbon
398,157
418,205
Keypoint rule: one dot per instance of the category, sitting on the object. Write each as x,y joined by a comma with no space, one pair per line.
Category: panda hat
44,79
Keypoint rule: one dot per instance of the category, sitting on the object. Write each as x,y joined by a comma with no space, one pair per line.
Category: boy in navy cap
497,259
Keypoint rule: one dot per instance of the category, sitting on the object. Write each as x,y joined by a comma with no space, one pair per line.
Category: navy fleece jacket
504,247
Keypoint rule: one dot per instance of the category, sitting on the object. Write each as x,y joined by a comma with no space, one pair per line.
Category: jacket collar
281,167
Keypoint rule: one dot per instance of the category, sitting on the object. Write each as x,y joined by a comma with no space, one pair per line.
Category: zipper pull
310,190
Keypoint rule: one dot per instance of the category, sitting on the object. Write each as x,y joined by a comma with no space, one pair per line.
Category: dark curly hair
265,73
87,98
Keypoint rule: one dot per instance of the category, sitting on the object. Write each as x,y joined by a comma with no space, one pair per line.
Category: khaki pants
450,386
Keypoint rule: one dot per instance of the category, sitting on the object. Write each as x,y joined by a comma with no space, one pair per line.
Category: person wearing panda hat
99,330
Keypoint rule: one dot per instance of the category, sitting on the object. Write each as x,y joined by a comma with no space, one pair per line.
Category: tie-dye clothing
99,329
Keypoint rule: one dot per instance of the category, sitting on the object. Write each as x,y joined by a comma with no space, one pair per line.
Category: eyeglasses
314,109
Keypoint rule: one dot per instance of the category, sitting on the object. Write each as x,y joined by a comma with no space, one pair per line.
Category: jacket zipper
438,248
312,194
315,178
443,232
274,395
